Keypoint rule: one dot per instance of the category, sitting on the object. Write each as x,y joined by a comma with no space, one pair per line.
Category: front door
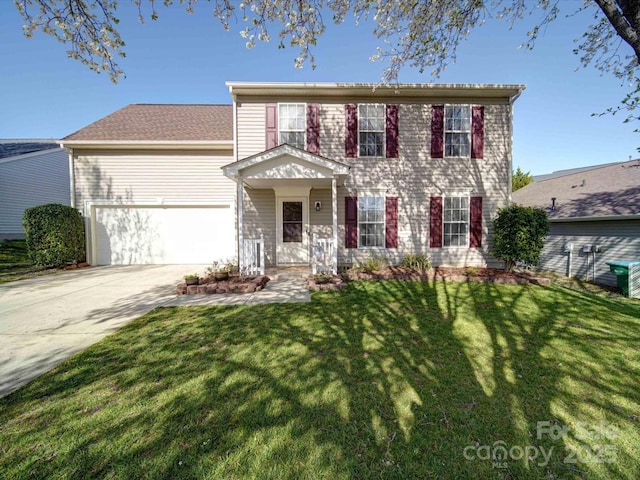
292,223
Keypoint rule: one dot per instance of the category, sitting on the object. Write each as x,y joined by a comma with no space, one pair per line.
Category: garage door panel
171,235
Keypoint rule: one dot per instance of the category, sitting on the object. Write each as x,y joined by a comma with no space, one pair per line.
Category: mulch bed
235,284
447,274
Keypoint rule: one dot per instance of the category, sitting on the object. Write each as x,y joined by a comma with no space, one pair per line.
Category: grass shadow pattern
383,380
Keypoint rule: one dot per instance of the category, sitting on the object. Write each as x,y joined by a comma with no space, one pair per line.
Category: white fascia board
511,91
603,218
150,145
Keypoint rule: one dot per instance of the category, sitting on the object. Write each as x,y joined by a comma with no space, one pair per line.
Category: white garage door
163,235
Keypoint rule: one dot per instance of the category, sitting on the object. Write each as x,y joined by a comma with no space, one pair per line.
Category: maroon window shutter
437,131
351,133
392,131
351,222
391,222
313,129
475,222
272,125
477,131
435,222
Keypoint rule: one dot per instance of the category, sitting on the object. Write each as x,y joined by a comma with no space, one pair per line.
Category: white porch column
334,210
240,209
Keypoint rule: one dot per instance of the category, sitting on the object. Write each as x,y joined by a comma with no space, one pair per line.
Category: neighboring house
32,172
327,173
594,216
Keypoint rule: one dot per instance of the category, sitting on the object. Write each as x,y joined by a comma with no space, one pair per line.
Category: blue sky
183,58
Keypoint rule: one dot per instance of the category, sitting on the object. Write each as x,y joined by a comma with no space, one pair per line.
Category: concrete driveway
47,319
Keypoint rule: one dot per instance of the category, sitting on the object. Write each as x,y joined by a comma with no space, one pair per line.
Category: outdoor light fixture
318,206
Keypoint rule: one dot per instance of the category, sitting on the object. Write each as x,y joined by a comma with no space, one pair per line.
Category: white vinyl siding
457,131
414,177
130,178
371,213
127,177
371,130
292,124
30,180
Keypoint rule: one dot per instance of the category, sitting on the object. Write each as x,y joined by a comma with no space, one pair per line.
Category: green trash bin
621,270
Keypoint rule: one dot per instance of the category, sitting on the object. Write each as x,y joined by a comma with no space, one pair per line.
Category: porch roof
286,165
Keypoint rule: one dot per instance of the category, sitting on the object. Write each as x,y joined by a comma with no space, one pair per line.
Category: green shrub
417,261
54,234
519,234
374,263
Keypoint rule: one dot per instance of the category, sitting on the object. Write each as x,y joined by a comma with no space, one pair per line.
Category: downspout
72,176
512,100
238,199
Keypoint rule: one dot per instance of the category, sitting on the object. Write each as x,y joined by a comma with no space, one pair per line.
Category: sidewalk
285,286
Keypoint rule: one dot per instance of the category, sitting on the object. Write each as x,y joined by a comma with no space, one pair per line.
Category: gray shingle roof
606,191
15,147
155,122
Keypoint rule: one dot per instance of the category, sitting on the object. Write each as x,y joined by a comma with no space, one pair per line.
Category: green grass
383,380
15,263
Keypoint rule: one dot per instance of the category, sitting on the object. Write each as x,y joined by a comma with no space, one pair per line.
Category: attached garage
162,234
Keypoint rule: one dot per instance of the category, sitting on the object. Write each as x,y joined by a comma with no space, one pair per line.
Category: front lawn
15,263
383,380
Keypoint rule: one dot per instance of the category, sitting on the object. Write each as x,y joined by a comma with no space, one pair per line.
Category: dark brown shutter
272,125
435,222
477,131
313,129
475,222
392,131
391,222
351,131
437,131
351,222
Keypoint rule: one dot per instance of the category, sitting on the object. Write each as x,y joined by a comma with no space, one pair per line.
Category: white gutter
376,89
603,218
150,144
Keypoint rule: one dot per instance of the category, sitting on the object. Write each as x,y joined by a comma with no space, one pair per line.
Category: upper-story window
457,131
292,124
371,130
456,221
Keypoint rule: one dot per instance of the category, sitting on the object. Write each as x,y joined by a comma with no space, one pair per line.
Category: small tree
54,234
518,235
520,179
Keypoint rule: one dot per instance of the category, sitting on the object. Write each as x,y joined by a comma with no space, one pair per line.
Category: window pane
457,137
295,139
371,221
292,124
292,211
292,232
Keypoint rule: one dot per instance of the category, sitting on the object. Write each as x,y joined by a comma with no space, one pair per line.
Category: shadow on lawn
386,380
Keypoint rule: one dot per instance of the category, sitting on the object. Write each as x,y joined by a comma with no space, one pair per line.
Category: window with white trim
371,129
371,213
292,124
455,222
457,131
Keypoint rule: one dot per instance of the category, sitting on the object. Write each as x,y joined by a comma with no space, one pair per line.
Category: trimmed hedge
518,235
54,234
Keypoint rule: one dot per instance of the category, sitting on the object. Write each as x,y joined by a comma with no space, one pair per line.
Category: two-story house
298,173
